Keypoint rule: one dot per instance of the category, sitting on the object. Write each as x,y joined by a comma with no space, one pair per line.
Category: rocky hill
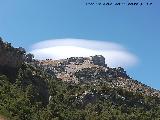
93,70
82,88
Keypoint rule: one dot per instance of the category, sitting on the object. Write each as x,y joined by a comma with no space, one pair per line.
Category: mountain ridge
93,69
82,88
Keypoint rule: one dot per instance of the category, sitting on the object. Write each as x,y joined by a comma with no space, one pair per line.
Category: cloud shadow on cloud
115,54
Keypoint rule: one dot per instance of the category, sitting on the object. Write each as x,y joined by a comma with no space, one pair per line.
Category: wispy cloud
115,54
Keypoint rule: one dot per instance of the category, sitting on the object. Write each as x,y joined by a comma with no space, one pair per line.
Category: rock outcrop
98,60
93,70
82,68
10,56
11,59
11,63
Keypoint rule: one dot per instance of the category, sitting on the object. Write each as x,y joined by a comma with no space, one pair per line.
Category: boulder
98,60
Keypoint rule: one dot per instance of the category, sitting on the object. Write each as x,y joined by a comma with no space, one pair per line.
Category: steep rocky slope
10,56
82,88
12,64
93,70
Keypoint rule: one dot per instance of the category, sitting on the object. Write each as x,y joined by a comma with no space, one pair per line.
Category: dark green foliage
10,72
28,99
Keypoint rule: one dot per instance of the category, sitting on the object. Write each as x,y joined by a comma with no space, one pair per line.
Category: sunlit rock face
94,70
84,69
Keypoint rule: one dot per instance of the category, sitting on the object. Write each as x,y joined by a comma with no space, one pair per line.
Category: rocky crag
62,89
10,56
12,61
88,70
93,70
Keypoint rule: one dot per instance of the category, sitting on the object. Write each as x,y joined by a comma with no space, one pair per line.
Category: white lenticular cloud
115,54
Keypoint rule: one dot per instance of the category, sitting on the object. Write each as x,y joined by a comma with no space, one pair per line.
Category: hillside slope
93,70
73,88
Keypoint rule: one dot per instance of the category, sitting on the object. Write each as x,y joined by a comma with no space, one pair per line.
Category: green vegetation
30,93
24,100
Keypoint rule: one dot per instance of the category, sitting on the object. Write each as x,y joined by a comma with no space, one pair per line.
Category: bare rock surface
94,70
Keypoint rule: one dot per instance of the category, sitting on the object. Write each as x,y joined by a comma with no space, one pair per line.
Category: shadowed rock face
98,60
9,56
11,60
10,72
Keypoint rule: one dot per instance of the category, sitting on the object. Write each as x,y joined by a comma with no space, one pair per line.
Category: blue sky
137,28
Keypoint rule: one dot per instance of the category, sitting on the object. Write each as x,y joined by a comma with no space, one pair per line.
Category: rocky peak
93,69
98,60
84,69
